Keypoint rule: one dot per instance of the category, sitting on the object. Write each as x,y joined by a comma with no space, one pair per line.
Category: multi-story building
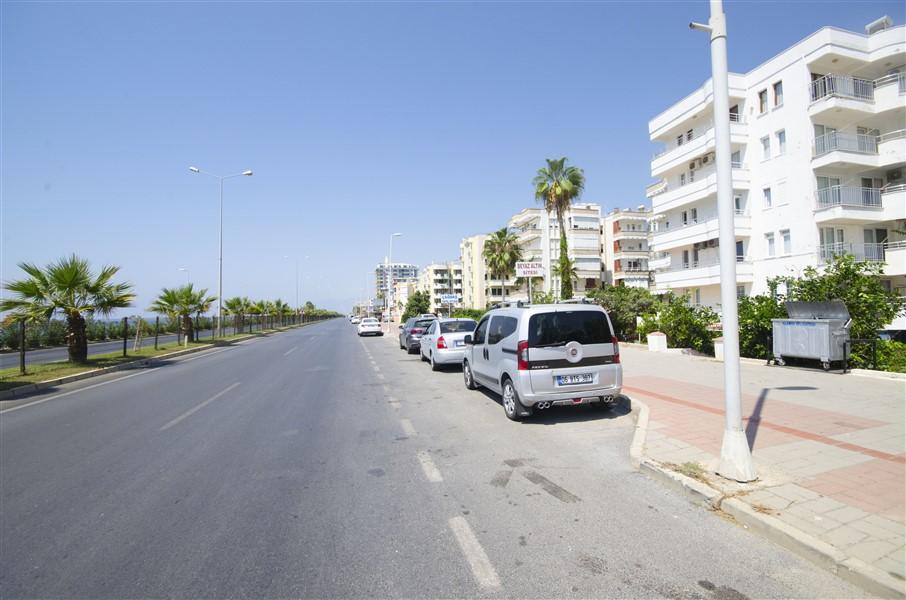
625,247
539,234
402,290
401,272
818,142
474,272
438,279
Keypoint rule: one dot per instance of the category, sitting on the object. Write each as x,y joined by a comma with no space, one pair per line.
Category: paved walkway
830,449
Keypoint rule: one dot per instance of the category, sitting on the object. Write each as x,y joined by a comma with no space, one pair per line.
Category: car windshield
559,328
458,326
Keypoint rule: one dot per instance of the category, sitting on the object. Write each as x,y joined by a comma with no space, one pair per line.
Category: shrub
468,313
755,327
685,326
624,304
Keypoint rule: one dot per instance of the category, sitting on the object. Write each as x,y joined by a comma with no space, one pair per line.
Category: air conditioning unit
705,159
692,166
712,243
894,175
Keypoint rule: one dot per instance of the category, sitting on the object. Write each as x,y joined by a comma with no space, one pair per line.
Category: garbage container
818,331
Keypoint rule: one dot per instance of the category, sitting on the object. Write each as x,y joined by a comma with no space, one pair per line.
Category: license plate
458,344
574,379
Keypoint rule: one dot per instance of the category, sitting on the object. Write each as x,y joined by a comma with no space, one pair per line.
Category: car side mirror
401,326
467,340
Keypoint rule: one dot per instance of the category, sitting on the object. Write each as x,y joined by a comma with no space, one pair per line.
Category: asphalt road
313,463
45,355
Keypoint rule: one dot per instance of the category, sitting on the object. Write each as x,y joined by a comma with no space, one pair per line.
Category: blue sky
359,119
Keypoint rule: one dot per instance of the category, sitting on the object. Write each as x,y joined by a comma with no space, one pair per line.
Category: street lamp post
735,458
389,294
187,274
297,280
247,173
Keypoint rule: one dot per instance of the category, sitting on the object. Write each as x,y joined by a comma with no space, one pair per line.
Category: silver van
538,356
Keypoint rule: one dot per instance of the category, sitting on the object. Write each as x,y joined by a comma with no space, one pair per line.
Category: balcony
630,234
861,252
861,150
705,185
847,203
703,143
631,273
629,253
895,256
840,99
699,230
893,199
697,274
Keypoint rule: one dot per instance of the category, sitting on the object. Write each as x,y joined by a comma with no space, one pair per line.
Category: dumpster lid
834,309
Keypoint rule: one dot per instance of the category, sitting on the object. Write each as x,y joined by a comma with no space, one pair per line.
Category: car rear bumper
568,396
449,356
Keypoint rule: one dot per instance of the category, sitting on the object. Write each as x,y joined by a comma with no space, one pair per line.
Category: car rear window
424,323
458,327
559,328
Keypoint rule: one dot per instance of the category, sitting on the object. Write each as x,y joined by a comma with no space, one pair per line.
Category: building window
682,179
740,291
685,218
766,197
689,135
787,242
778,94
762,102
781,142
766,147
679,140
769,243
736,160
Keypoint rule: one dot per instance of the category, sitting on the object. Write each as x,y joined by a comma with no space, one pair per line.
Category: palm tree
69,287
501,252
238,307
181,303
556,186
566,270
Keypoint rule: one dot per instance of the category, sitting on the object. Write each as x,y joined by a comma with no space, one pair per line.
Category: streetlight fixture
247,173
187,274
389,295
735,457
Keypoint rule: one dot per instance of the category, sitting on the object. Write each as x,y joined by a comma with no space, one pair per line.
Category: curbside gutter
861,574
24,390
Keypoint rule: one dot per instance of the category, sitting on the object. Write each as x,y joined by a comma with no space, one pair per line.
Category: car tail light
522,355
441,343
616,349
416,330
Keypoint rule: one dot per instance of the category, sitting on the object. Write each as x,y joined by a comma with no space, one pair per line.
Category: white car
443,343
355,320
369,326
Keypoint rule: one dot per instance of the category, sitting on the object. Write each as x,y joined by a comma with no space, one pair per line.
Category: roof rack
516,304
574,301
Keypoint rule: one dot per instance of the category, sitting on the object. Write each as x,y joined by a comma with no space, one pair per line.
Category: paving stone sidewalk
830,449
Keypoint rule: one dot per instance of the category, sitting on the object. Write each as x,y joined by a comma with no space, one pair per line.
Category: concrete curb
853,570
878,374
24,390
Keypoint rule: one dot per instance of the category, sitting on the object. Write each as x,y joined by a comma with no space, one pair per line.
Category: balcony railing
734,118
844,195
891,135
696,264
893,188
848,142
861,252
841,86
898,78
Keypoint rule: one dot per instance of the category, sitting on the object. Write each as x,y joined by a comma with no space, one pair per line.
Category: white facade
474,272
818,135
438,279
401,272
625,247
539,235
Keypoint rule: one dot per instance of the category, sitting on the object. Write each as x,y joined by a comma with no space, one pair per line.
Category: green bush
468,313
685,326
755,327
624,304
418,303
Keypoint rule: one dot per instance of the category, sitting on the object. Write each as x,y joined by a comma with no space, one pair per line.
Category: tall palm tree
237,307
181,303
501,252
556,186
566,270
69,287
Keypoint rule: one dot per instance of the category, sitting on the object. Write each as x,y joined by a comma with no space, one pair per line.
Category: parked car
444,341
370,326
545,355
411,332
355,320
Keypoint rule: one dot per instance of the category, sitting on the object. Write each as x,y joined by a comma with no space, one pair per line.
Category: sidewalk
830,449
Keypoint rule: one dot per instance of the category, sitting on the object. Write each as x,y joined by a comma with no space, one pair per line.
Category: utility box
817,331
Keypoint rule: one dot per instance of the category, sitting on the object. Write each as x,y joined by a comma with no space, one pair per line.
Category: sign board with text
529,269
449,298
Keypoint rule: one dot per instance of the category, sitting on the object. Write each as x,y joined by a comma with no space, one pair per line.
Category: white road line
204,355
482,569
377,369
380,376
71,392
290,351
428,467
408,428
194,410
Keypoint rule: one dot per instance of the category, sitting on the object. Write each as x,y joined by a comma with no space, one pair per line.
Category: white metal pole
389,275
735,458
220,277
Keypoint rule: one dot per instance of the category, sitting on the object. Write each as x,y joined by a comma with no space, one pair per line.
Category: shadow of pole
754,419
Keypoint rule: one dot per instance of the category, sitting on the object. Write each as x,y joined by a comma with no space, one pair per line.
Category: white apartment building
539,234
625,247
818,135
438,279
474,272
402,290
401,272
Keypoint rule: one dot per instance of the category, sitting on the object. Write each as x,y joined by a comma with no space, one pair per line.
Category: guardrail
844,195
841,86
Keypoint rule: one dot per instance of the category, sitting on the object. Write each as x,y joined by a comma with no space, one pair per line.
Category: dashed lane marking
482,569
408,428
429,467
290,351
194,410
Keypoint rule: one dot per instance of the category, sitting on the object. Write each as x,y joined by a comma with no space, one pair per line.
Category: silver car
444,341
545,355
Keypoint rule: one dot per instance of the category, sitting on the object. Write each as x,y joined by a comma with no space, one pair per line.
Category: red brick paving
875,486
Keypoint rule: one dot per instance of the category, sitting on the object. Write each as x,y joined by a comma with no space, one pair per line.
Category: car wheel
410,349
402,345
434,365
422,356
510,401
467,376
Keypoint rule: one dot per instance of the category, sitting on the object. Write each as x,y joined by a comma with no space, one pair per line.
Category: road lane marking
482,569
205,355
428,467
71,392
377,369
290,351
194,410
380,376
408,428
